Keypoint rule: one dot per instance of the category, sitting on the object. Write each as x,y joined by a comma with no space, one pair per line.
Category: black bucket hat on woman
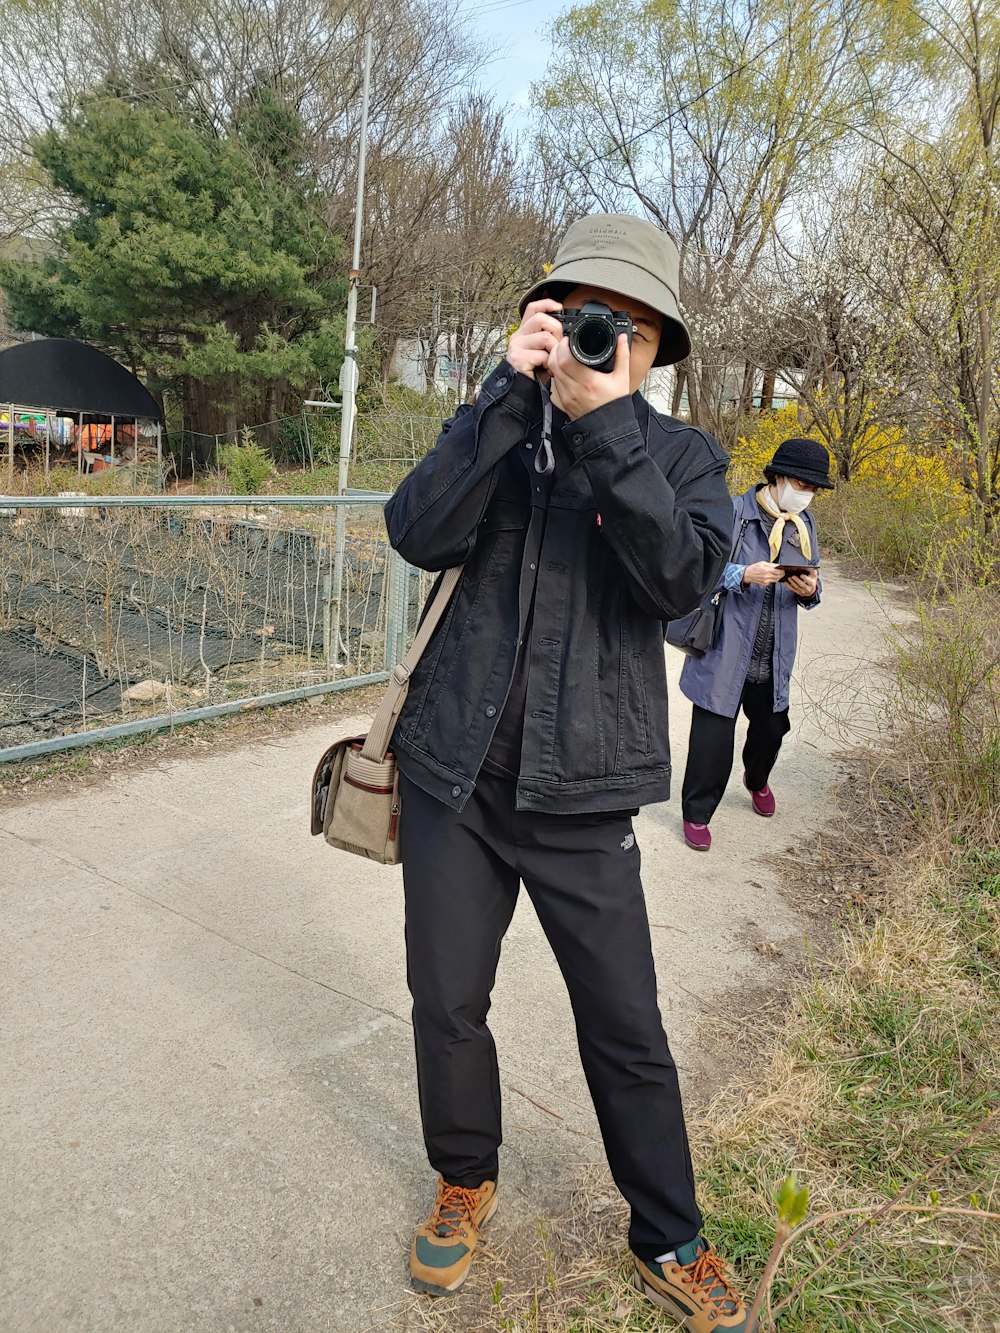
627,255
805,460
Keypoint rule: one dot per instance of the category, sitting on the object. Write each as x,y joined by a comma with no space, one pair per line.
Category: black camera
593,331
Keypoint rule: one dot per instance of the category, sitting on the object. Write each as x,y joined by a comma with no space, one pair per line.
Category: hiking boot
694,1289
763,800
444,1244
697,836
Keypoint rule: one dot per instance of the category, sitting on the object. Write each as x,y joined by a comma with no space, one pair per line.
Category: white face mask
791,500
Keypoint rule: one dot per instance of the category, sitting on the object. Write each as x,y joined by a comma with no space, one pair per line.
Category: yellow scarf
774,536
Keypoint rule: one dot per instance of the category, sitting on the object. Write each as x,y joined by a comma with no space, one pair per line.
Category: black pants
710,751
461,874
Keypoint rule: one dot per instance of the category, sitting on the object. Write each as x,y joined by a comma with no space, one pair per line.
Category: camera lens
593,340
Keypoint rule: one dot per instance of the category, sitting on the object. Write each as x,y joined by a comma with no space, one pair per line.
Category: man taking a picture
536,726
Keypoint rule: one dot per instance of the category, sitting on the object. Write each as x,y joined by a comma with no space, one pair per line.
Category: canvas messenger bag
355,789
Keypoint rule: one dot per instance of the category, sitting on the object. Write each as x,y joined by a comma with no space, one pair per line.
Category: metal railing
123,614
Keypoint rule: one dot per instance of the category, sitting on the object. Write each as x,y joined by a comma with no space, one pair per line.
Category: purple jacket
715,682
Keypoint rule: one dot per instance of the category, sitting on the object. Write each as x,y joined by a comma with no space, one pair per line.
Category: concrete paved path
207,1109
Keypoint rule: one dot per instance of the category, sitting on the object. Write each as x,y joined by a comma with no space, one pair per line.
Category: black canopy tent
64,378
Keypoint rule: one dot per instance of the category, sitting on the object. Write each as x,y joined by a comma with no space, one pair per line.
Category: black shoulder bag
698,632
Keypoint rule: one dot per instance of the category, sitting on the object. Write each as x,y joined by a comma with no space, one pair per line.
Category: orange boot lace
706,1275
452,1207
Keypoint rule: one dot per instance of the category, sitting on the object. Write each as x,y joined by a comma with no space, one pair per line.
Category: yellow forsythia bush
903,468
904,511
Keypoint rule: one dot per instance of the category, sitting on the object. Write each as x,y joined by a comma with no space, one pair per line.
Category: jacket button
456,791
490,711
502,381
578,439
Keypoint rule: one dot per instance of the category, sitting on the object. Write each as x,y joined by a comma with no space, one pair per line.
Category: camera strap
545,459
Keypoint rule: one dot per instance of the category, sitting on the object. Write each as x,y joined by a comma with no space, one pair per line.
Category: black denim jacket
636,533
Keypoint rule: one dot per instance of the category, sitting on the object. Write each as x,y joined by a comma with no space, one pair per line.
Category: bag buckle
401,673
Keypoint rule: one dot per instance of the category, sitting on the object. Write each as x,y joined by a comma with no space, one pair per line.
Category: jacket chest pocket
501,537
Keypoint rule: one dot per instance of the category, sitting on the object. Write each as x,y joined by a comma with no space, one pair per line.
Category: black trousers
710,751
461,874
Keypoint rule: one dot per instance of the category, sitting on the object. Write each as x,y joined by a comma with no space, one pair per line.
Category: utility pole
349,370
349,374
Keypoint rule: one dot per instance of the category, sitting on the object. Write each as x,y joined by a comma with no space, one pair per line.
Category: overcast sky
516,28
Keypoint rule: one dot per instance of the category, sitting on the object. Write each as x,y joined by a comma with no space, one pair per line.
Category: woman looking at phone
773,571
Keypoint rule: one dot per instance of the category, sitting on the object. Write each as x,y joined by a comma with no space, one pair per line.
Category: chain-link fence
384,435
118,612
398,437
288,440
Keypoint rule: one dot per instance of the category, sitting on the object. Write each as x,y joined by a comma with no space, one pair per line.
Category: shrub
60,478
904,511
904,468
890,534
246,464
120,480
324,438
945,708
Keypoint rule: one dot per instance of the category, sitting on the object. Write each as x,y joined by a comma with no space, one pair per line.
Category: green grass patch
889,1064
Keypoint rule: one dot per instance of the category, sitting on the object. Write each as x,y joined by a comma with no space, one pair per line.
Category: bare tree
832,318
456,252
713,117
941,178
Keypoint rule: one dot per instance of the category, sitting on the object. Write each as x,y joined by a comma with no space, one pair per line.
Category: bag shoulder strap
739,528
377,740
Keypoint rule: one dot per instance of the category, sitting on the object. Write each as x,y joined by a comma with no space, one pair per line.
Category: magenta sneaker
763,800
697,836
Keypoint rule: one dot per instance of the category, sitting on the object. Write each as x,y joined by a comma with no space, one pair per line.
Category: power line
495,7
703,93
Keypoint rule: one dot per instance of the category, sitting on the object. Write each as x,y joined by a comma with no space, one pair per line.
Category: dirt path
209,1117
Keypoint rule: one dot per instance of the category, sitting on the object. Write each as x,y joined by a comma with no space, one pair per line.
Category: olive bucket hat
627,255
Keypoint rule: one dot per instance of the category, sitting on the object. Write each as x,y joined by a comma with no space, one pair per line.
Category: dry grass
209,603
124,479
